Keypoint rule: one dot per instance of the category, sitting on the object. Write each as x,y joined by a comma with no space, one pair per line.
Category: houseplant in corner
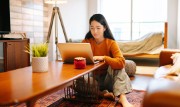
39,54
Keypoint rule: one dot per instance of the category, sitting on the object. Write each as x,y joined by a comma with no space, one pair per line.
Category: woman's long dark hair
101,19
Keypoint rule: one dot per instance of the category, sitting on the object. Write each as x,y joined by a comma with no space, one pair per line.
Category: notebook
69,51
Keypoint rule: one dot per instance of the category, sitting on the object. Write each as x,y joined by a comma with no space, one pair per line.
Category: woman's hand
98,58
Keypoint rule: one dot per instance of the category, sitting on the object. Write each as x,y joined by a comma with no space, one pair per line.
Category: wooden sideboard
14,56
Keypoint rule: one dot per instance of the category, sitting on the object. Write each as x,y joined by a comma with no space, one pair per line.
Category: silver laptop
69,51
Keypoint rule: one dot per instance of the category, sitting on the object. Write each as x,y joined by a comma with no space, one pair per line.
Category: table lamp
55,12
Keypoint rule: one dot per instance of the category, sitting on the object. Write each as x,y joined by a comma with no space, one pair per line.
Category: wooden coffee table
22,85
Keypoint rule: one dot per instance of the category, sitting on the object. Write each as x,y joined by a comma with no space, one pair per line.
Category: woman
111,77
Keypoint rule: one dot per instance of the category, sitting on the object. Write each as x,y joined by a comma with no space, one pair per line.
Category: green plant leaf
38,50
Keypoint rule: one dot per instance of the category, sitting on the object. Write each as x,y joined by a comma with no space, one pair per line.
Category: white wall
75,18
92,7
172,23
178,28
74,14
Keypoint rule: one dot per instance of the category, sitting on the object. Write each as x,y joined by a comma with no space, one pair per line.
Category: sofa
164,90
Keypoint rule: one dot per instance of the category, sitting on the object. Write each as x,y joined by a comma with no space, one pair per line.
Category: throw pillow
175,69
130,67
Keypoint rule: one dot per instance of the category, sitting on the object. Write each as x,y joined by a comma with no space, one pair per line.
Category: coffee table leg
96,87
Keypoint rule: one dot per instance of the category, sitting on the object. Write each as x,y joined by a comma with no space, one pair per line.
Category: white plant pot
39,64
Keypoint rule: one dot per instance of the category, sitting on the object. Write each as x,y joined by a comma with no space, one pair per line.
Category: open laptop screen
69,51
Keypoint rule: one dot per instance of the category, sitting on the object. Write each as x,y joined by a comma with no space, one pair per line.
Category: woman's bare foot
109,95
123,100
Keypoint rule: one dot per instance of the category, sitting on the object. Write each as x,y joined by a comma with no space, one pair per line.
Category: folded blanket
146,44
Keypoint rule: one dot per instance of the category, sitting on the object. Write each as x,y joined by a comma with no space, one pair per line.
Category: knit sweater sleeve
117,61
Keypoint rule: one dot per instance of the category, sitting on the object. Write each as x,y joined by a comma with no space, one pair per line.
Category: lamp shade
55,1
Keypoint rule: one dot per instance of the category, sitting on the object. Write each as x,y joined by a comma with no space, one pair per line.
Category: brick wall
31,17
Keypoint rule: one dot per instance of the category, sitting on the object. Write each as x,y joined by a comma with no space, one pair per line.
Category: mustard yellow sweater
110,49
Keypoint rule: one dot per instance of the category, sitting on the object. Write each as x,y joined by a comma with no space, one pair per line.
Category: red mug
79,62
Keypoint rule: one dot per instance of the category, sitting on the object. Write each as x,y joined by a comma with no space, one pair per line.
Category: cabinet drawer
14,55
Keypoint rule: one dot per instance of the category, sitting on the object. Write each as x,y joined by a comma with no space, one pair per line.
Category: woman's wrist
99,58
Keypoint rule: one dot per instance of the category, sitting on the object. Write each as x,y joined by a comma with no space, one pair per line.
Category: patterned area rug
55,100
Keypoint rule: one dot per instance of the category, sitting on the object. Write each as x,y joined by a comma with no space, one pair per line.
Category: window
132,19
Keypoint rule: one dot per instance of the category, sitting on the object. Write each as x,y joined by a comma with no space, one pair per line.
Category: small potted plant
39,54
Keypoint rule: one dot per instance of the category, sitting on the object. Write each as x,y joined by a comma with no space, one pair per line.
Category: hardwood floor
140,82
142,78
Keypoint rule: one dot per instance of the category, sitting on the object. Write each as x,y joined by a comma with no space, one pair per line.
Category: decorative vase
40,64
